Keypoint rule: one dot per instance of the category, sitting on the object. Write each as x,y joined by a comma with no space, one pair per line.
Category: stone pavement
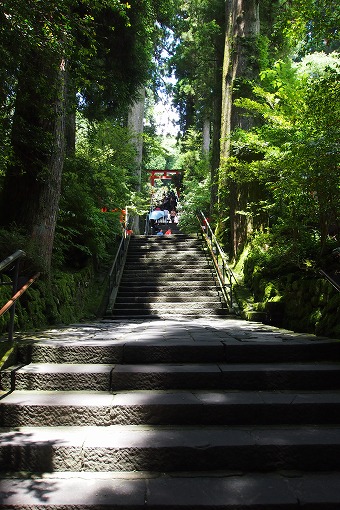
178,413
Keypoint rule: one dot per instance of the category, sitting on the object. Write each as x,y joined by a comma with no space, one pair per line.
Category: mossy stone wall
299,301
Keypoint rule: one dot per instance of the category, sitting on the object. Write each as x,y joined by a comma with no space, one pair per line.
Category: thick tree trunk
206,136
240,66
136,126
31,191
216,132
43,228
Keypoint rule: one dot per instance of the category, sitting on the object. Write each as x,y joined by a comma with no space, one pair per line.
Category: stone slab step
196,345
125,350
152,265
181,295
159,313
173,306
168,240
191,259
265,376
170,278
169,284
181,286
164,316
171,246
50,376
229,491
166,270
165,449
259,376
165,299
60,408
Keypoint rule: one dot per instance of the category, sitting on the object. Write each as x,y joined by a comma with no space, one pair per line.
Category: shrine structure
162,174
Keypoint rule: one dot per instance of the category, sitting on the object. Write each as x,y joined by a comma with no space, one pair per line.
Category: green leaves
299,143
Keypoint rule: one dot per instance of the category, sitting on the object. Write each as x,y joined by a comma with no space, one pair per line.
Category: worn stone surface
236,415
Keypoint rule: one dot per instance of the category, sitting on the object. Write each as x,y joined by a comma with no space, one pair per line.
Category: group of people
161,233
168,207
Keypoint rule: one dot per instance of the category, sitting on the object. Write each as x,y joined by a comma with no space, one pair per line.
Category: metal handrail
117,267
10,305
330,279
224,274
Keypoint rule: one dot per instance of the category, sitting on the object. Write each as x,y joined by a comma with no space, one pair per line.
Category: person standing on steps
173,215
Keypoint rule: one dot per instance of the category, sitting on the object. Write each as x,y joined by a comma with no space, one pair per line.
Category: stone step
165,268
197,346
50,376
174,247
260,376
168,277
170,449
162,246
174,306
193,256
165,299
66,408
174,239
142,286
221,491
181,294
168,313
121,316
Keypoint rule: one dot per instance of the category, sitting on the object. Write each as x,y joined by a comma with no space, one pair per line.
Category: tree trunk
206,136
240,66
136,126
31,190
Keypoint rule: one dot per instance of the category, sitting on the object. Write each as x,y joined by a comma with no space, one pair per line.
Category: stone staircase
166,277
166,414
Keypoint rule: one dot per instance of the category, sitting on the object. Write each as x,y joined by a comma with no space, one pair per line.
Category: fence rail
224,274
13,262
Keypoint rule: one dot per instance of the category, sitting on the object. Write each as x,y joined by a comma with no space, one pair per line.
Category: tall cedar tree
101,49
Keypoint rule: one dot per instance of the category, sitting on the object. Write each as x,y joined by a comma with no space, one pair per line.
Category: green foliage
309,25
196,182
99,176
295,153
198,45
196,197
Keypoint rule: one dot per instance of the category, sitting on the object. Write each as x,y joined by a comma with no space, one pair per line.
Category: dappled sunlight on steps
189,413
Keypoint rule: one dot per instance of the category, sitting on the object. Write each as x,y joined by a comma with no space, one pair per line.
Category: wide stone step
177,240
278,376
65,408
165,268
260,376
181,294
196,345
170,449
165,299
193,285
191,257
170,250
173,306
221,491
168,278
169,313
166,243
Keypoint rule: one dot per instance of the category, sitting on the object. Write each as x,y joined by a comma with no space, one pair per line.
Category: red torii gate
162,174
